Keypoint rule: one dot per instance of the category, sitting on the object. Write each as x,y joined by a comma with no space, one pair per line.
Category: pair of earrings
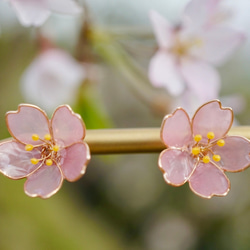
198,150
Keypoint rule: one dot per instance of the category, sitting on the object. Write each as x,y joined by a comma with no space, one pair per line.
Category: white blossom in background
52,79
36,12
188,53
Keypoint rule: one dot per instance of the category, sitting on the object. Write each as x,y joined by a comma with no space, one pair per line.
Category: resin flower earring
44,151
199,150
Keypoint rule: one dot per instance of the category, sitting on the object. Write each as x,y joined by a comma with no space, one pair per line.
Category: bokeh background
122,202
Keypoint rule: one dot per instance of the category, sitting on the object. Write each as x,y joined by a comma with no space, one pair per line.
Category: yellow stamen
29,147
35,137
210,135
56,148
206,159
49,162
198,138
216,158
221,143
47,137
34,161
196,150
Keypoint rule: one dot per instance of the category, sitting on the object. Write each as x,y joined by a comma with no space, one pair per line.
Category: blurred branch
136,78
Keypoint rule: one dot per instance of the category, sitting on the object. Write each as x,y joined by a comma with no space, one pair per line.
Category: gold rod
136,140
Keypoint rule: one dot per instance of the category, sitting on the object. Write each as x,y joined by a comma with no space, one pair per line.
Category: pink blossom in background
188,52
36,12
52,79
199,150
44,151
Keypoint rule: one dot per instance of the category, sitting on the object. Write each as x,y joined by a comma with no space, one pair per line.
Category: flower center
181,48
48,149
203,151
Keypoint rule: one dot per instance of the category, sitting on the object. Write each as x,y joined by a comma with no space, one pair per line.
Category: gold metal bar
139,140
134,140
120,141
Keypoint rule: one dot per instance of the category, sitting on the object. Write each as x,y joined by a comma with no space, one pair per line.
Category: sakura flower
44,151
52,79
199,150
188,53
35,12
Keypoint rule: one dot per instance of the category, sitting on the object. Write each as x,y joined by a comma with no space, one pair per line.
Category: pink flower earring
44,151
199,150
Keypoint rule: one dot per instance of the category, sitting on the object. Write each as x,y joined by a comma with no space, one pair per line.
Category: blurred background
122,202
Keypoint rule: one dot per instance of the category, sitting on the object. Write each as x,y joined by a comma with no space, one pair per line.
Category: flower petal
51,79
163,72
163,31
208,180
201,12
75,161
217,44
176,129
44,182
234,154
30,12
200,78
27,120
211,117
67,126
15,160
177,166
64,6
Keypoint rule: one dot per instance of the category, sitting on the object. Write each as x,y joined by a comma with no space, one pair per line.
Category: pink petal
51,79
218,44
176,129
201,12
163,31
209,180
15,160
177,166
163,72
64,6
234,154
75,162
211,117
27,120
67,126
30,12
202,79
44,182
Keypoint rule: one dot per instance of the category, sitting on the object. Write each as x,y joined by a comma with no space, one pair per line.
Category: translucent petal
30,12
211,117
201,78
176,129
163,31
44,182
67,126
51,79
208,180
234,154
201,12
218,44
15,160
25,122
177,166
163,72
75,161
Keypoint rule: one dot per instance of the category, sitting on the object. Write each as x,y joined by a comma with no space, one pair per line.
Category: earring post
135,140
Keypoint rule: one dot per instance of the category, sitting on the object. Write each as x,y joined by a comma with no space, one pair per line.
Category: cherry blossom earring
199,150
44,151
